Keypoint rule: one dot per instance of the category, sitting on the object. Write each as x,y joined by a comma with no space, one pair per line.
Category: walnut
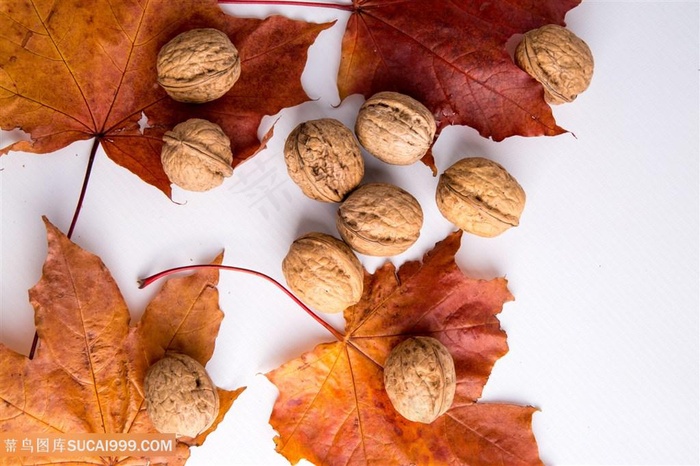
323,272
180,396
324,159
480,197
558,59
196,155
198,66
420,379
379,219
395,128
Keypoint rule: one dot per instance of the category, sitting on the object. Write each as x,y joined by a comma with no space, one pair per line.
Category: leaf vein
63,58
357,404
128,61
482,436
88,352
312,402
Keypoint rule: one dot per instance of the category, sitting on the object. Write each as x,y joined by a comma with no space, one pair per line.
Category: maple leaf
87,373
333,410
452,57
76,69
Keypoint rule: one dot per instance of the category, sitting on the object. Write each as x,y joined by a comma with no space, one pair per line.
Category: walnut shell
558,59
395,128
323,272
324,159
199,65
379,219
480,197
180,396
196,155
420,379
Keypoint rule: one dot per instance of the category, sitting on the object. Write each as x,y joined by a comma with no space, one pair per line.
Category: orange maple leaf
87,374
74,70
333,410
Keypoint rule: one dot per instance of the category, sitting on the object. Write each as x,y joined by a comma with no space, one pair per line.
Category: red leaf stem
148,280
83,190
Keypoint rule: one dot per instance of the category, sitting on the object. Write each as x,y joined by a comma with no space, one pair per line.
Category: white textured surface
603,333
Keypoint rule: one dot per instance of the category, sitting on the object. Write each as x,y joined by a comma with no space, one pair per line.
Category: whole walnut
379,219
420,379
180,396
324,159
480,197
199,65
395,128
196,155
323,272
558,59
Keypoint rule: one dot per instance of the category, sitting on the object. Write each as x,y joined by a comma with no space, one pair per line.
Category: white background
603,333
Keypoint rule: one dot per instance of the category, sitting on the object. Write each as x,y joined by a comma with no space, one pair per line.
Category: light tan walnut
324,159
196,155
199,65
420,379
395,128
558,59
480,197
180,396
379,219
323,272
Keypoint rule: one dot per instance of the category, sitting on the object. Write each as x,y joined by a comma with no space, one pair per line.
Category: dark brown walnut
395,128
197,155
324,159
420,379
199,65
323,272
558,59
379,219
180,396
480,197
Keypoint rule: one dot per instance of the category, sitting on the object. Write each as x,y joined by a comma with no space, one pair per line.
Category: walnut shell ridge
180,396
323,272
324,159
395,128
420,379
479,196
196,155
379,219
558,59
197,66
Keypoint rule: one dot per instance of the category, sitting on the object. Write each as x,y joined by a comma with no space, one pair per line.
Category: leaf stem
148,280
337,6
76,214
35,342
83,190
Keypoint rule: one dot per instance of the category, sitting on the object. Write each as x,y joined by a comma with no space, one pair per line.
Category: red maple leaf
332,408
452,57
